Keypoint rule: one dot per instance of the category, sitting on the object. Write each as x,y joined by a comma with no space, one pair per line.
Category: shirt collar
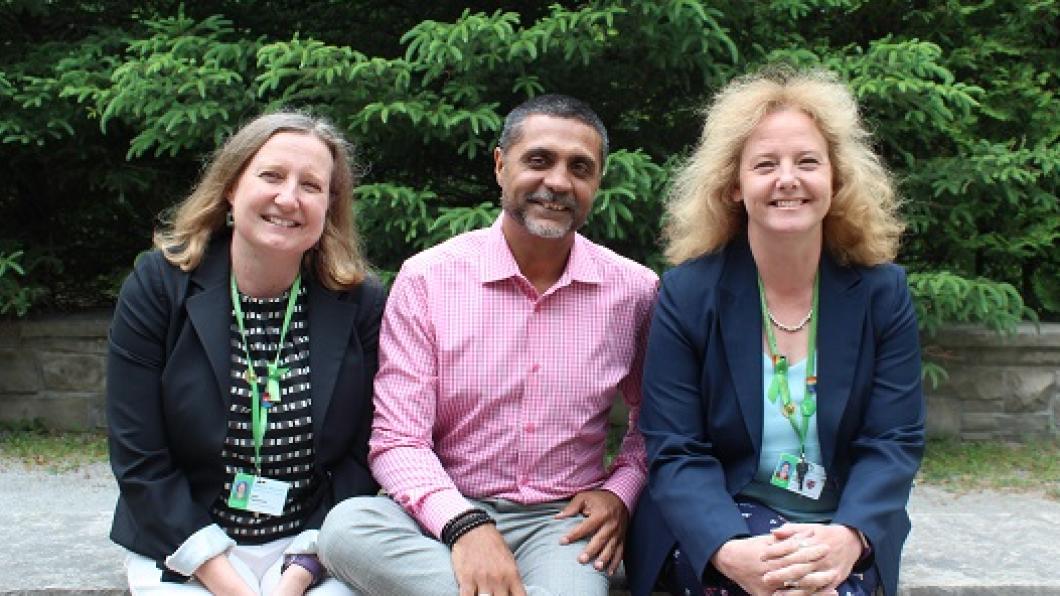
497,261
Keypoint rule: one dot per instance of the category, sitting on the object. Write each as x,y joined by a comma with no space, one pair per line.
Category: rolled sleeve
200,547
305,543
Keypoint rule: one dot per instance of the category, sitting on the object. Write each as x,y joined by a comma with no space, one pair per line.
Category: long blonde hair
336,260
862,226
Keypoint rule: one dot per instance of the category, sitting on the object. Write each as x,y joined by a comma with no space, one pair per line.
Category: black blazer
168,394
702,410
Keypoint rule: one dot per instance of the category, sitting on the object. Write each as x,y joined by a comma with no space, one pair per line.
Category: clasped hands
483,563
793,560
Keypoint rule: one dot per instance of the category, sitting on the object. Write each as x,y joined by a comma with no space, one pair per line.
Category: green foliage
105,119
184,77
943,297
1031,465
32,445
15,298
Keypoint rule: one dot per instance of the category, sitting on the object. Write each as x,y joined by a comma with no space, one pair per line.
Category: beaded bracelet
308,562
464,523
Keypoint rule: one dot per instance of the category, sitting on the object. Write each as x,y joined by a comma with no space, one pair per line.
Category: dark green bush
107,109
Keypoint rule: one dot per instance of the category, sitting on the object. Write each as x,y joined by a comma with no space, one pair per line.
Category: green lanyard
259,408
779,387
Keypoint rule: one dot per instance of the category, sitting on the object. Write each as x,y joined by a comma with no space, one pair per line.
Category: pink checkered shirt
487,390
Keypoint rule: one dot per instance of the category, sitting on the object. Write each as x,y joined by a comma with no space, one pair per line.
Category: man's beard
540,227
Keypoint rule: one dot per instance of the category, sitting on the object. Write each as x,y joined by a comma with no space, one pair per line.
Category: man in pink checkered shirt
501,353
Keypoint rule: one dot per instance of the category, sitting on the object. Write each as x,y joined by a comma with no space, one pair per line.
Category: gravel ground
54,526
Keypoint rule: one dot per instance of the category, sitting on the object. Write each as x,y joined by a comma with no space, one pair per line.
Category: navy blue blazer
168,394
702,410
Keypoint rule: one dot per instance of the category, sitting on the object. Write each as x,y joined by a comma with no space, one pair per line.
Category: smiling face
548,178
280,201
785,177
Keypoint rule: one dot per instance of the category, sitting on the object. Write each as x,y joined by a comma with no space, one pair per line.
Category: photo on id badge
240,495
800,477
782,475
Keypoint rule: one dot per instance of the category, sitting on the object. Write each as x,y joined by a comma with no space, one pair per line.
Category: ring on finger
791,583
803,544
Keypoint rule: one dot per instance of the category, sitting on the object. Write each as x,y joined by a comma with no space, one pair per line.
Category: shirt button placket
530,393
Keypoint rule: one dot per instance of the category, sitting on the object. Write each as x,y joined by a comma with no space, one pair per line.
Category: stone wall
998,388
52,369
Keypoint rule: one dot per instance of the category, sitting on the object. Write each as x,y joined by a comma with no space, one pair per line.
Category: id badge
258,494
802,478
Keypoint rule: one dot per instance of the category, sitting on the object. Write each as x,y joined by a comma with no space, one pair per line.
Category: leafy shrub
15,298
104,119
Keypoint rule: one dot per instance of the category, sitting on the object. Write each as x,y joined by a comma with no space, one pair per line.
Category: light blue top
779,437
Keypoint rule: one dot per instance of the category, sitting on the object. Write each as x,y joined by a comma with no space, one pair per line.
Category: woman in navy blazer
783,340
179,393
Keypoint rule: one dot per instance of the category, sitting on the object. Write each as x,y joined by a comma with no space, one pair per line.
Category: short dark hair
559,106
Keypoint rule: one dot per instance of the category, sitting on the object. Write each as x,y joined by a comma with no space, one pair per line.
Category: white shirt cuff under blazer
203,545
305,543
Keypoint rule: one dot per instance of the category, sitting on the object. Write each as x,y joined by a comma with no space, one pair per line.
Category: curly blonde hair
862,226
336,260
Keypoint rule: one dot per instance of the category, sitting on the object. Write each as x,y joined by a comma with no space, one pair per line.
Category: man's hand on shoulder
606,520
483,564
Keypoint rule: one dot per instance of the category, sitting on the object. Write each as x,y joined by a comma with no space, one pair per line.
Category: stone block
1018,427
943,417
83,345
19,372
72,372
982,406
974,336
10,333
69,411
973,383
1014,389
981,422
1030,389
977,436
1038,357
91,325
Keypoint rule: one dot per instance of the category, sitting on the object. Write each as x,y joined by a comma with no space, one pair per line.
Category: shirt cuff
200,547
438,509
626,483
304,543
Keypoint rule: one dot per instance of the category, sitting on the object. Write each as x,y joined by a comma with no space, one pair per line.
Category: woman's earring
229,221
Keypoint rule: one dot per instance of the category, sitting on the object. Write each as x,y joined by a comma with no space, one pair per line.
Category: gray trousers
374,546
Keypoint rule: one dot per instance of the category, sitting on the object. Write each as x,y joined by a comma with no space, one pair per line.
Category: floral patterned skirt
679,579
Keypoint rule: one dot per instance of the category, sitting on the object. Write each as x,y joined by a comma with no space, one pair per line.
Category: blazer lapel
330,325
839,327
209,308
741,333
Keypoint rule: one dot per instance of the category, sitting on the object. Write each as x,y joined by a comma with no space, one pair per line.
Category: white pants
258,565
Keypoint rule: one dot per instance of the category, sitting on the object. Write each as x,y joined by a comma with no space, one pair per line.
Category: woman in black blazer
783,413
239,370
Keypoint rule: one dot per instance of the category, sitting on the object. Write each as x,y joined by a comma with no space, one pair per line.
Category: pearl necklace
790,328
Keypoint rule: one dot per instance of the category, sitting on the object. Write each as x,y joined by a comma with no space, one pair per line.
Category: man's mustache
547,196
